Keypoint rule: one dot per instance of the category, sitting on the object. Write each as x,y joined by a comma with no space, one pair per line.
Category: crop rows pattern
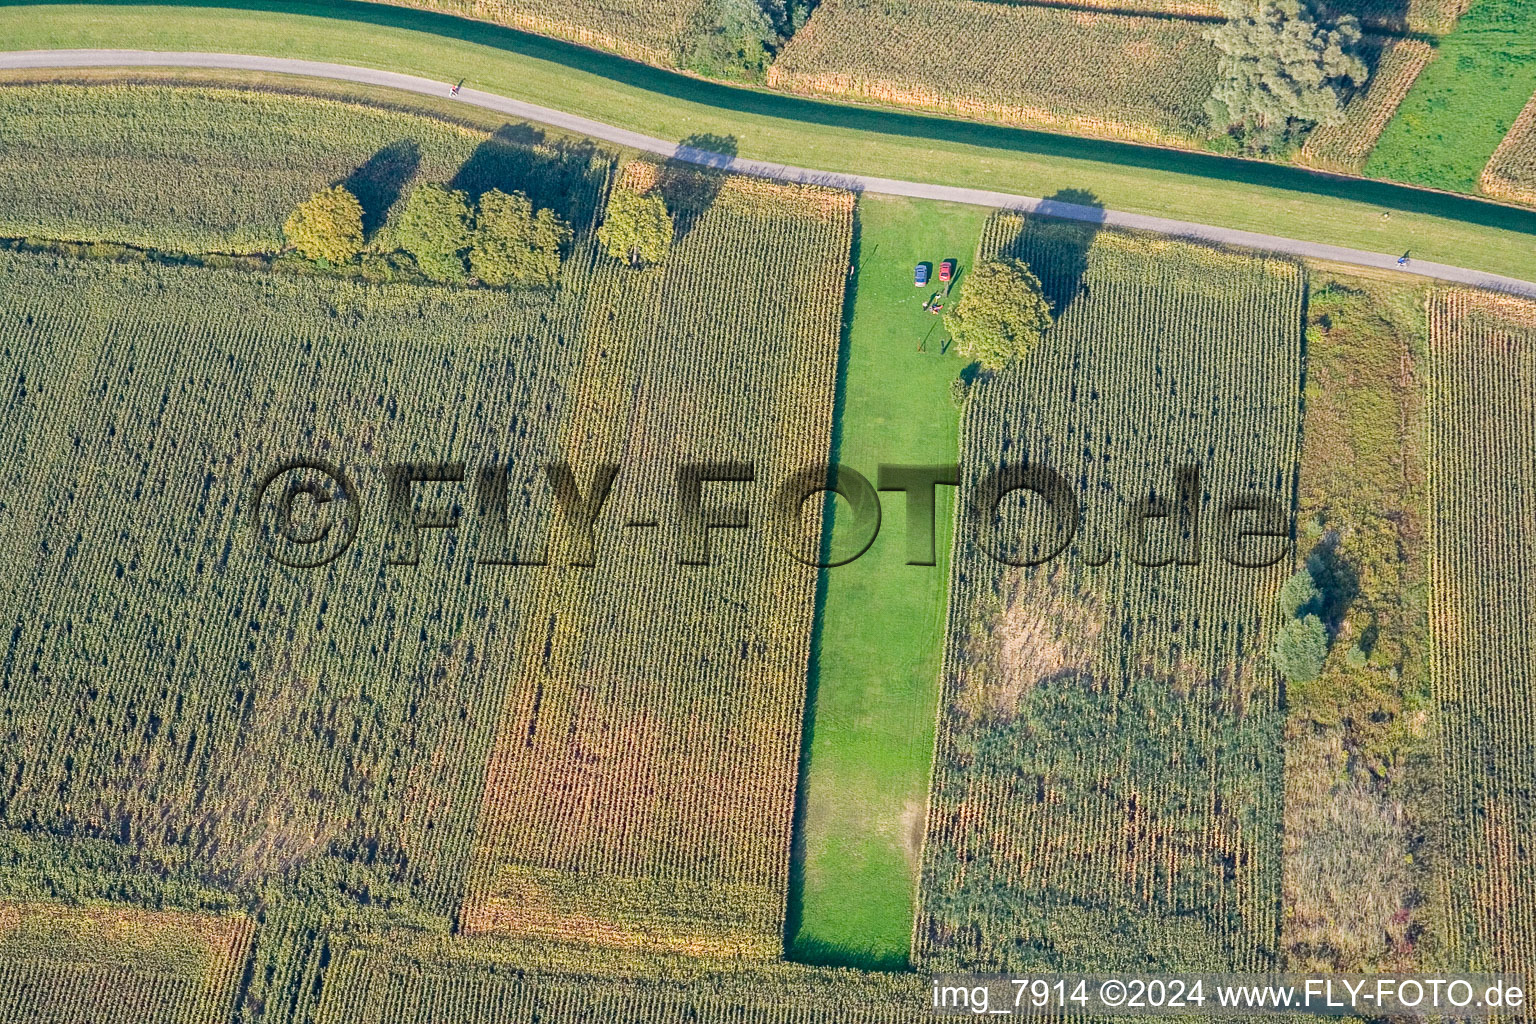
646,32
113,965
1483,575
1344,147
202,169
1117,75
1511,174
1106,787
642,783
469,982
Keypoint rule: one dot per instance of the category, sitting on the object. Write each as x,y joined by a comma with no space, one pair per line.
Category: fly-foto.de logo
308,512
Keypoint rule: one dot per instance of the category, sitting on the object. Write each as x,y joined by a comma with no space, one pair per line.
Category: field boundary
38,59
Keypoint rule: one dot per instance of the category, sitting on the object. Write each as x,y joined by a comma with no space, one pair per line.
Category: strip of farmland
1107,784
1482,578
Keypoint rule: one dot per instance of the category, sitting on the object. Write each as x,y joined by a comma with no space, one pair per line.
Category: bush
1281,72
434,229
1001,313
1300,649
1299,595
636,227
514,245
327,226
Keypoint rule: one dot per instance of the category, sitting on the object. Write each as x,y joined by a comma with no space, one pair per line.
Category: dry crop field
645,32
118,965
641,787
390,979
1140,78
329,743
218,169
1511,174
1482,353
1107,781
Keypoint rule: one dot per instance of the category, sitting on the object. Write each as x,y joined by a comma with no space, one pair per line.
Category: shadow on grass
889,122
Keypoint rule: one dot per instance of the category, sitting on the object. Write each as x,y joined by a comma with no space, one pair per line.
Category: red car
946,271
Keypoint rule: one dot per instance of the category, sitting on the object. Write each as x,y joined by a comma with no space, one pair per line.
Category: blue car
921,278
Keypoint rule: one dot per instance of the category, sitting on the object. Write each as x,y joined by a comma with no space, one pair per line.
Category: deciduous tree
327,226
1280,71
514,245
1001,313
1300,649
434,228
636,227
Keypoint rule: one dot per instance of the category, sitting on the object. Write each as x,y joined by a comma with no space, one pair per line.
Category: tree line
497,240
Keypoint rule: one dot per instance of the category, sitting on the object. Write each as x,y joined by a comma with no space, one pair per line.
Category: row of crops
438,982
604,753
70,966
1482,357
598,816
1106,790
219,169
1511,174
1144,78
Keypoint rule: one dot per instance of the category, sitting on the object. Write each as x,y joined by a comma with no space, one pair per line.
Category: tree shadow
564,176
377,184
692,177
1055,243
1337,580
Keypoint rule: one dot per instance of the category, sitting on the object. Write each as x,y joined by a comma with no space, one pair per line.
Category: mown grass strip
875,663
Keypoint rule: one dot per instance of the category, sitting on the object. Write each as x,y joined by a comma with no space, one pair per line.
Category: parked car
946,271
921,277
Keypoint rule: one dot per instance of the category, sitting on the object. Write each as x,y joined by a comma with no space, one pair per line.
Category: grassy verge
1465,102
877,653
836,137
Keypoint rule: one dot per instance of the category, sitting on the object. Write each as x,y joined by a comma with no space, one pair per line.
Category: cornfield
218,170
459,982
1482,575
1511,174
646,32
1122,76
641,786
114,965
1424,17
1106,789
1344,147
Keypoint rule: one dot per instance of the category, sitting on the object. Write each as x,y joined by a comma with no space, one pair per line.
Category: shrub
434,229
636,227
514,245
1299,594
327,226
1300,649
1001,314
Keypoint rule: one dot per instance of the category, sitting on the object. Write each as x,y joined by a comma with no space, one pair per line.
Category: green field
875,675
1191,186
1465,102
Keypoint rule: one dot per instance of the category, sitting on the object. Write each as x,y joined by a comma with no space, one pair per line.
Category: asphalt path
760,168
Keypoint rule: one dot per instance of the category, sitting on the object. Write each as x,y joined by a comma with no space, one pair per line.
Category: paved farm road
760,168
